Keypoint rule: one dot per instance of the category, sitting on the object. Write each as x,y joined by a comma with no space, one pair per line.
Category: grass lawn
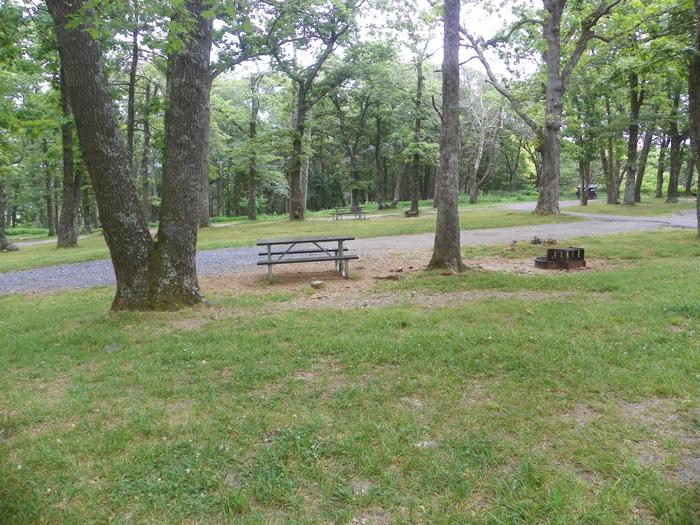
547,398
244,233
648,207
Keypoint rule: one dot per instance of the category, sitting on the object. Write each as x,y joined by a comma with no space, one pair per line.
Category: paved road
94,273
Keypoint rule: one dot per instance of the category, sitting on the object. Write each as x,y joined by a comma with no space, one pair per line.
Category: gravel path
209,262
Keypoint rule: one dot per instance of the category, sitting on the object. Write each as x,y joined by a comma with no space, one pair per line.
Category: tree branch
515,104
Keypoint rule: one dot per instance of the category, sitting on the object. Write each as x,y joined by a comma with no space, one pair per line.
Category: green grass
648,207
244,233
516,409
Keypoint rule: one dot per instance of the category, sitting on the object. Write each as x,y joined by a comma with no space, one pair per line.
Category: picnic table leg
339,264
269,266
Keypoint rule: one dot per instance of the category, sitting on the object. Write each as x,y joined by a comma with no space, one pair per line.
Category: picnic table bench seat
356,211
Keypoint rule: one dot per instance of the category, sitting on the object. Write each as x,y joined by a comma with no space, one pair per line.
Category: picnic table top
294,240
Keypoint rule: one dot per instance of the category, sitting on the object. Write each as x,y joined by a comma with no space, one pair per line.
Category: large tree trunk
548,200
675,153
105,156
636,99
146,159
414,179
69,223
584,175
398,188
694,103
149,275
642,164
297,202
446,250
663,146
186,156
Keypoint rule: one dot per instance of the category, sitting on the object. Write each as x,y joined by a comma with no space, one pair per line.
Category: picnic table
356,211
288,250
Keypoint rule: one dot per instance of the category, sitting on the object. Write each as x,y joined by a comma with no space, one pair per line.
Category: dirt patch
361,487
582,415
363,274
179,413
664,418
373,517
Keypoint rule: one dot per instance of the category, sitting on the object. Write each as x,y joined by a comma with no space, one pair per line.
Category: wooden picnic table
287,250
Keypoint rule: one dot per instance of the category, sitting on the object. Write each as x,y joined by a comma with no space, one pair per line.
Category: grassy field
244,233
547,398
648,207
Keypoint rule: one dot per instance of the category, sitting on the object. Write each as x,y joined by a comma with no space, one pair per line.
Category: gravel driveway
100,273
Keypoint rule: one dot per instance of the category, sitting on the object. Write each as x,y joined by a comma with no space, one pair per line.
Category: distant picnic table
288,250
356,211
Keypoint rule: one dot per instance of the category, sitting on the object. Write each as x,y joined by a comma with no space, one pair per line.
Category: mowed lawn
545,398
243,232
648,207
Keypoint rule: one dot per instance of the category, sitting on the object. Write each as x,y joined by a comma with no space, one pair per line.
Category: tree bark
642,164
297,203
663,146
69,223
584,171
636,100
186,156
446,249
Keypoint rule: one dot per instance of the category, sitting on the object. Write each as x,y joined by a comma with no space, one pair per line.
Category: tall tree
446,250
324,26
558,74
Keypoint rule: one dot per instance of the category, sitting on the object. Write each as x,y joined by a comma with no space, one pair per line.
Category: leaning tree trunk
69,222
446,249
642,164
636,98
105,156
